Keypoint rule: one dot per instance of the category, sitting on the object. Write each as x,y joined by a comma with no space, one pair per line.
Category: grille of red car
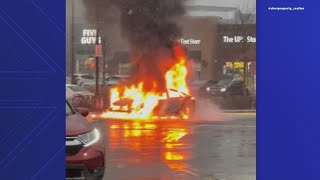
73,146
73,173
73,150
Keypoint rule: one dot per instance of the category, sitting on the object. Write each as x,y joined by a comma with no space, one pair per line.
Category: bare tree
245,17
246,13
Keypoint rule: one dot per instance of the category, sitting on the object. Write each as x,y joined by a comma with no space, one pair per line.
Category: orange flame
133,102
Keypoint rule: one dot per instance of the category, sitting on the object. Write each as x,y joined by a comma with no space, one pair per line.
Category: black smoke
151,28
150,22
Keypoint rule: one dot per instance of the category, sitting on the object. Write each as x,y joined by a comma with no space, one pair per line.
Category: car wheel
101,176
95,177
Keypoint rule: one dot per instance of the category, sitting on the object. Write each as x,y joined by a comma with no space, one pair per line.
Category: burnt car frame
171,107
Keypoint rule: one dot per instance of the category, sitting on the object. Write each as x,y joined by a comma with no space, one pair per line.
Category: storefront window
234,70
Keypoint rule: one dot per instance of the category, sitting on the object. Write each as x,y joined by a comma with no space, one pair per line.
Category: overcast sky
223,3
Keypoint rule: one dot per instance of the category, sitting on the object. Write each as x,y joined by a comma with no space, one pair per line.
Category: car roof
71,85
80,74
92,82
119,76
237,80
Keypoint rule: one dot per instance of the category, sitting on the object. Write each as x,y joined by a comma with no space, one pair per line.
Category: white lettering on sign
238,39
89,36
251,39
189,41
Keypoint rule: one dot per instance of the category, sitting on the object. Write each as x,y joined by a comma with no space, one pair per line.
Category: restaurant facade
213,47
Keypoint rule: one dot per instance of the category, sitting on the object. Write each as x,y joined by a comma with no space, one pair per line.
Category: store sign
89,36
190,41
239,39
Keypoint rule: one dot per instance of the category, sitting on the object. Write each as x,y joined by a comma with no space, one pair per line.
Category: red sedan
84,146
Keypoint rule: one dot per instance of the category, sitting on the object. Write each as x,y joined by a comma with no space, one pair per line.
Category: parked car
110,81
199,87
85,151
81,78
229,87
78,95
115,79
72,89
195,86
91,85
204,90
177,104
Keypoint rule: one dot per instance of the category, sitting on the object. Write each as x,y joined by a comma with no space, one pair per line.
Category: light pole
72,43
97,48
103,63
98,53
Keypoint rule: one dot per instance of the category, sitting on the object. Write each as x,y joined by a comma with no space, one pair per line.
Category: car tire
101,176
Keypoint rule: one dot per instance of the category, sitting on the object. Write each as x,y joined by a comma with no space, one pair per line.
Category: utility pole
72,44
98,53
104,64
104,93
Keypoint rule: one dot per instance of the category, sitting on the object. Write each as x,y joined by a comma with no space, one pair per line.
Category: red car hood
76,124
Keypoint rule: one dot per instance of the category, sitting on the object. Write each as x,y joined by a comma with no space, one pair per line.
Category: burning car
174,105
181,106
162,94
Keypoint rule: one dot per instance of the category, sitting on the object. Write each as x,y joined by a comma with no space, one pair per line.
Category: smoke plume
151,29
150,22
150,26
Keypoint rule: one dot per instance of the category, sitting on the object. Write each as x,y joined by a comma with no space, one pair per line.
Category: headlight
208,88
90,137
223,89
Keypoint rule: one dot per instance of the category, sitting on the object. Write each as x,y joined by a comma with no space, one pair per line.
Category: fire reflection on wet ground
146,143
174,150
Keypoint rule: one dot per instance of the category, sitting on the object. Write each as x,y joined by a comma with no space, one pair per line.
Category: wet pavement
174,150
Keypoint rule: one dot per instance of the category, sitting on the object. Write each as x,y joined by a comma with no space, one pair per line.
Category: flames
176,78
138,100
138,137
133,103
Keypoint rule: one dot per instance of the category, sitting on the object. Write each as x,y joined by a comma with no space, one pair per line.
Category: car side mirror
83,111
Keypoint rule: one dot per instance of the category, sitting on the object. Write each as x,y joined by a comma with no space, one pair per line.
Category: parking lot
222,149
